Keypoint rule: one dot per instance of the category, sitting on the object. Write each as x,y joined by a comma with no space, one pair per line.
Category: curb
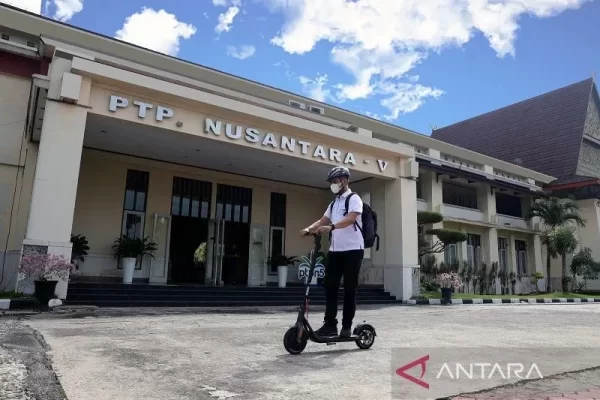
18,304
516,300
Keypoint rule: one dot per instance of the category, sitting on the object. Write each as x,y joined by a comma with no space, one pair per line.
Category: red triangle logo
423,363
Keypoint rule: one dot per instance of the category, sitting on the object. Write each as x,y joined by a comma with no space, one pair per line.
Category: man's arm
347,221
315,225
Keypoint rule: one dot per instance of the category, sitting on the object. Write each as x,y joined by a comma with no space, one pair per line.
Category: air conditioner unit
494,219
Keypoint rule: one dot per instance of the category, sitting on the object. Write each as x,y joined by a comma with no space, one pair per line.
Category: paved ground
224,354
25,372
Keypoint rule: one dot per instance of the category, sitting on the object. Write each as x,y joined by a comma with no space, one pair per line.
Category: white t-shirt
350,237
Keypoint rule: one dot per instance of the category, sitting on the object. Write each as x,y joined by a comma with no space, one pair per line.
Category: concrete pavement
228,354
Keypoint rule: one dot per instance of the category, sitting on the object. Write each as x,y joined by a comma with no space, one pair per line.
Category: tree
554,212
445,237
584,265
562,241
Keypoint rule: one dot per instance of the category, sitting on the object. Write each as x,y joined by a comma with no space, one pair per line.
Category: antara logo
470,371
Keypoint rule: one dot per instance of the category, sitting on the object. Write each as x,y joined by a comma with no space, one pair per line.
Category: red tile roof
544,132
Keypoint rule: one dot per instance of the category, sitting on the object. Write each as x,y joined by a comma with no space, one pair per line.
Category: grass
13,295
554,295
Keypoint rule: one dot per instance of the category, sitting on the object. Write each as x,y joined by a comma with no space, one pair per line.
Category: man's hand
304,232
324,229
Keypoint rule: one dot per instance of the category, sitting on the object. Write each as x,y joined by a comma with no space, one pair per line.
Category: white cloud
64,9
315,88
386,39
155,30
34,6
226,19
226,3
241,52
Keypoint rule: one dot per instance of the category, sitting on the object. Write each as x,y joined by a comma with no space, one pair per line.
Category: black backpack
369,223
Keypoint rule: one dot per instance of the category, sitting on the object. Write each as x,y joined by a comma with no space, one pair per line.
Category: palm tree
554,212
562,241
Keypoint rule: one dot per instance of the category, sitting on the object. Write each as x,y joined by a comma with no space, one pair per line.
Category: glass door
161,230
214,272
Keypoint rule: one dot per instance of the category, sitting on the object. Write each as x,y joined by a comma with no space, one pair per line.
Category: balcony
422,205
512,222
468,214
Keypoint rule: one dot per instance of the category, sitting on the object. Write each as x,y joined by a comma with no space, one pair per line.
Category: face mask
335,187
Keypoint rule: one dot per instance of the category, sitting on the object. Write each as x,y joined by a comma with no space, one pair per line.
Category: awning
472,176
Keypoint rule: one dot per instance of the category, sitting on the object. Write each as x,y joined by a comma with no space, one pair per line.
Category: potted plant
79,250
282,262
129,250
45,270
448,282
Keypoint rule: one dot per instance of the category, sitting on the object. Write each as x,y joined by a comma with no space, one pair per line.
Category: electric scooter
297,336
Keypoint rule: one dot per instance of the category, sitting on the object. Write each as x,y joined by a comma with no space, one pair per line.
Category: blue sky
407,62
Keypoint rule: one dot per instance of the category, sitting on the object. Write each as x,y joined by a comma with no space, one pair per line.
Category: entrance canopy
131,138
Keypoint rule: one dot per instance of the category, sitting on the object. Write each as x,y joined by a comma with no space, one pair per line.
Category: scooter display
297,336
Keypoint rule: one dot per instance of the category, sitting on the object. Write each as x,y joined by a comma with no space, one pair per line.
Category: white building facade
103,138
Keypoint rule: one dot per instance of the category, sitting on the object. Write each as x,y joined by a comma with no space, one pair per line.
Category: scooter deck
337,338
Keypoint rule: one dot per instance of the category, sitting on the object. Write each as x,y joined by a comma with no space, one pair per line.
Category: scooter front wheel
290,341
365,337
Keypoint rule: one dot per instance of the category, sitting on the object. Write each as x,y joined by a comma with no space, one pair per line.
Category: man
345,252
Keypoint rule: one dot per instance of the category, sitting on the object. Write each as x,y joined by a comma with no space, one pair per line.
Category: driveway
199,354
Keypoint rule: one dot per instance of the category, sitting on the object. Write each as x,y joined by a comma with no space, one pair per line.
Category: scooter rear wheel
290,341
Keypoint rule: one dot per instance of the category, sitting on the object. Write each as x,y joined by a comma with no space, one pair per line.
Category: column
512,260
400,235
490,247
538,260
487,204
432,191
57,173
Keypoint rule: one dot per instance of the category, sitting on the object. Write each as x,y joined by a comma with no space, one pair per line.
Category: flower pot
128,264
446,295
44,291
282,275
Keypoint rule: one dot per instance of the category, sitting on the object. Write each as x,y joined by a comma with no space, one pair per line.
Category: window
508,205
277,230
233,203
450,254
458,195
316,110
420,187
191,198
296,104
521,249
134,207
474,250
502,254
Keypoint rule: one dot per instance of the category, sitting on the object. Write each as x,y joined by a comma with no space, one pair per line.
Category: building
104,138
556,133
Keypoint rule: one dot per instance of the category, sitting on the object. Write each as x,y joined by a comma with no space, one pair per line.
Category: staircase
143,295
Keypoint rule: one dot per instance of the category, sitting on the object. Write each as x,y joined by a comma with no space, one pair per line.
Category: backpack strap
346,212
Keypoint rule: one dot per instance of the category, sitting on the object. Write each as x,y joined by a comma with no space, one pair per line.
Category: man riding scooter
345,254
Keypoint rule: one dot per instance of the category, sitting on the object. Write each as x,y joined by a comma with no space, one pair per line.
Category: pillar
512,260
57,170
400,236
432,191
538,260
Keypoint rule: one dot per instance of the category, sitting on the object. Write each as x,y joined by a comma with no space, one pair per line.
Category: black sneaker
346,332
327,329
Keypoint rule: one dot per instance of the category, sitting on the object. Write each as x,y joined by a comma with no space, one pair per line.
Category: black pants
346,264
